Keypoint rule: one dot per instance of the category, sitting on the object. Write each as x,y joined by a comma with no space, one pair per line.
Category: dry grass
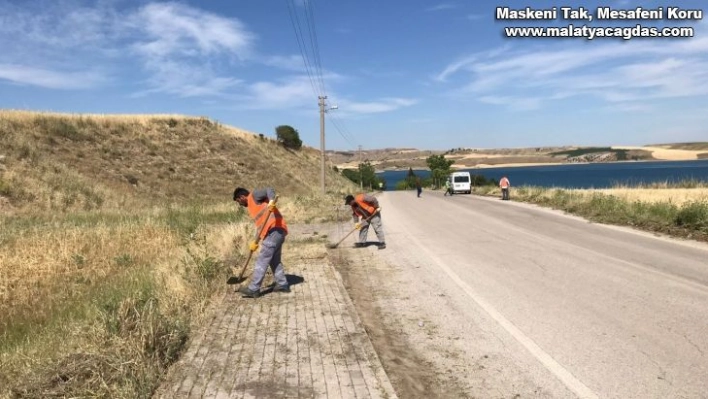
677,196
101,278
100,304
674,196
668,153
84,295
669,208
700,146
55,162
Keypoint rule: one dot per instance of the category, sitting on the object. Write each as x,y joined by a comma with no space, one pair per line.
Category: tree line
365,173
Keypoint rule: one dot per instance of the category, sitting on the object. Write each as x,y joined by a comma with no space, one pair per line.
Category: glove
271,205
358,226
253,246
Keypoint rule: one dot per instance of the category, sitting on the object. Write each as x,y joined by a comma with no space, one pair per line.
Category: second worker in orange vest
271,230
365,206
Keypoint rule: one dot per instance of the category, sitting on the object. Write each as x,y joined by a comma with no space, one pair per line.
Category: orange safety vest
504,183
369,209
259,213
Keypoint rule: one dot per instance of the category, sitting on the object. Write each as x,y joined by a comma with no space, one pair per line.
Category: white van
461,182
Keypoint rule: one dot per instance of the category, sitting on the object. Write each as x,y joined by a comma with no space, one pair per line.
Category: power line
314,42
295,20
312,59
347,132
343,131
313,67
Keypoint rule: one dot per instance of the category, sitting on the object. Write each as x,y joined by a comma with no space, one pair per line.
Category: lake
589,175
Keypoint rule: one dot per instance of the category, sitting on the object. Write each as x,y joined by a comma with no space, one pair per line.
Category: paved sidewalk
306,344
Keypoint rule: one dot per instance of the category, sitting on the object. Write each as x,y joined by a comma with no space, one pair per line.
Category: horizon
138,116
414,74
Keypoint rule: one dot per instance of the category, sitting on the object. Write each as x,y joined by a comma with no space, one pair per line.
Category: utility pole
322,139
361,173
322,136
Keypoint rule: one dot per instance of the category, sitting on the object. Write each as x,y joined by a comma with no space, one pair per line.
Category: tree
288,137
410,179
368,175
351,174
365,175
439,168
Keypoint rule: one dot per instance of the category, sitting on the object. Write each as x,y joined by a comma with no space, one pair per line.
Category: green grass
139,342
186,220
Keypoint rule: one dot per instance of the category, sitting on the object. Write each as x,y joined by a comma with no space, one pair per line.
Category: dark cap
349,198
239,192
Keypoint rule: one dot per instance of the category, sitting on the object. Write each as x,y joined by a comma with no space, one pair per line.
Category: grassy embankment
116,233
679,209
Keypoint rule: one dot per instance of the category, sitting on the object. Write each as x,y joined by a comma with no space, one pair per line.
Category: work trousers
270,255
375,222
505,193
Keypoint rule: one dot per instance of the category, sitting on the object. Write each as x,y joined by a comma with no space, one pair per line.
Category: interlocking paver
306,344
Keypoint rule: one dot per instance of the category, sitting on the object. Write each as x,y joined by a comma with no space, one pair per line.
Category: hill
385,158
404,158
67,162
117,232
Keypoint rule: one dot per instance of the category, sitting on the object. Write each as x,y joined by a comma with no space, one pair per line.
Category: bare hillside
59,162
699,146
385,158
404,158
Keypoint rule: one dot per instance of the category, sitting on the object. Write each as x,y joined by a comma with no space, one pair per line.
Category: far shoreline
517,165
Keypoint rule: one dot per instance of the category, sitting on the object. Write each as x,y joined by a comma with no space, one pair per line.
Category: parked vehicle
461,182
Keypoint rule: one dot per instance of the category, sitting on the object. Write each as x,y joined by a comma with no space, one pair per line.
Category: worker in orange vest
272,229
504,185
365,206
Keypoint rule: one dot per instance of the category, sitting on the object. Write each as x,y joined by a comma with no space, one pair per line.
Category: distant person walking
272,228
418,186
504,185
448,187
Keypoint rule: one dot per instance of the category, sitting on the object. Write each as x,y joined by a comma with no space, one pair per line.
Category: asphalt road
597,311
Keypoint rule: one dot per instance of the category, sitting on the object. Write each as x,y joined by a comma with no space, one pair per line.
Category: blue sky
424,74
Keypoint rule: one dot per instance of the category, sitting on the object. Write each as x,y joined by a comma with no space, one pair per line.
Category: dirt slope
61,162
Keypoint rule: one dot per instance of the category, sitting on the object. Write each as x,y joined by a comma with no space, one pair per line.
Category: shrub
693,215
288,137
59,127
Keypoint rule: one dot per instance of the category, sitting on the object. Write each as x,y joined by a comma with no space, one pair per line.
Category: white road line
553,366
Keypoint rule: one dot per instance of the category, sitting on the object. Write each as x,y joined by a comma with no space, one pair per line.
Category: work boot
280,288
382,245
247,293
359,245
